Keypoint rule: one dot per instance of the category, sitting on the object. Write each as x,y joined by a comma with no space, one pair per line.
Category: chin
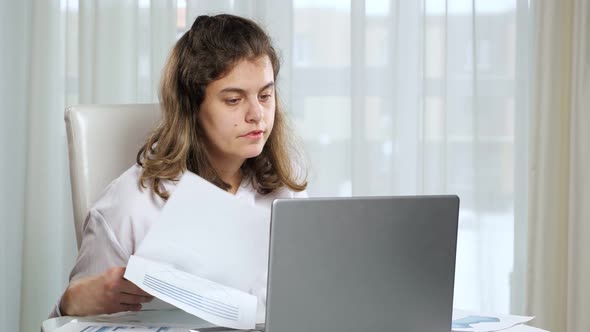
253,153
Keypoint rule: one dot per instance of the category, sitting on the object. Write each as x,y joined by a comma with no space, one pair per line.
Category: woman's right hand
106,293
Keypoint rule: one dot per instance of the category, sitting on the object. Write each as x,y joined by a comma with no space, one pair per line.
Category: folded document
207,254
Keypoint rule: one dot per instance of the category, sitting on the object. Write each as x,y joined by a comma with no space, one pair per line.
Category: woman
222,122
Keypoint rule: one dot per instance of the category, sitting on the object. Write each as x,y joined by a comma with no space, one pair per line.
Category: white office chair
103,141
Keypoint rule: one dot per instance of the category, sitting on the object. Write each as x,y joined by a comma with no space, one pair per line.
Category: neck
229,172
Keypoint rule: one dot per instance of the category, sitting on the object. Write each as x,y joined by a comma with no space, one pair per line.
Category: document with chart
75,326
207,254
470,321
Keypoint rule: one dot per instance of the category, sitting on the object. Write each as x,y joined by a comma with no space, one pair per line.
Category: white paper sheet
210,234
524,328
75,326
469,321
208,300
163,317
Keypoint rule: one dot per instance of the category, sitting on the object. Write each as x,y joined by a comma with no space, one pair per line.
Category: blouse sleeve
99,250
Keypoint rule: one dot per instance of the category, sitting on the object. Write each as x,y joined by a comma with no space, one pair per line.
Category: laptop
370,264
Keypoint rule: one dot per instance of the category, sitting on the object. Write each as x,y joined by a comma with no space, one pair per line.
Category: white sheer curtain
391,97
13,119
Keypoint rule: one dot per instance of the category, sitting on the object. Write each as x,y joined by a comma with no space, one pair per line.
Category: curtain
13,119
390,97
558,275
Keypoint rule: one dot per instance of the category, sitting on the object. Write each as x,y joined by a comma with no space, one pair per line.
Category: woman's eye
232,101
265,97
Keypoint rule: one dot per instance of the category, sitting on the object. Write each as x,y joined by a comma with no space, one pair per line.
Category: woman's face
238,111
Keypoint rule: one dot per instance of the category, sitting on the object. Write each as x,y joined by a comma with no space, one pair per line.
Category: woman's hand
106,293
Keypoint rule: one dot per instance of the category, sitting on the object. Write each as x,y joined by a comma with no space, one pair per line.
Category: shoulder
126,209
126,193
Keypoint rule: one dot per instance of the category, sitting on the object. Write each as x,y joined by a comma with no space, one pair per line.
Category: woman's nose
254,112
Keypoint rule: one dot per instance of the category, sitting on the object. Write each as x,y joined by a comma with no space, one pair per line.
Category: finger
126,286
133,299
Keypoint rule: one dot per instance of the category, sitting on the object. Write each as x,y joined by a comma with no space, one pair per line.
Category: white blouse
123,214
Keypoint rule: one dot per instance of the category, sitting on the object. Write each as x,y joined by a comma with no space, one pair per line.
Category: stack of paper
75,326
468,321
170,320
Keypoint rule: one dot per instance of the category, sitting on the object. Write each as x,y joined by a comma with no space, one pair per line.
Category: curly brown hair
205,53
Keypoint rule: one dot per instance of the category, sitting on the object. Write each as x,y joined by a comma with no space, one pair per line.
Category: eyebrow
242,91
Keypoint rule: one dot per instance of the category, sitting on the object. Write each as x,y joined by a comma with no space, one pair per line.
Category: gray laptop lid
362,264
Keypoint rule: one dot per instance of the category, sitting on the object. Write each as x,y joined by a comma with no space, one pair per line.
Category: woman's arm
96,284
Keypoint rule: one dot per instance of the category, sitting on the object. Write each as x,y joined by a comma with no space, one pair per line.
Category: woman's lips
254,134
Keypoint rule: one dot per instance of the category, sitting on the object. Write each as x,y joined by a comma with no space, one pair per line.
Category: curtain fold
13,123
559,268
47,212
578,290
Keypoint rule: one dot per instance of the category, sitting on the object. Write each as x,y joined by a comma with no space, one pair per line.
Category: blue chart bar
210,306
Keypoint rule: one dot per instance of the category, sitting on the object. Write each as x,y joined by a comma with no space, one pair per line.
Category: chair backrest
103,141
